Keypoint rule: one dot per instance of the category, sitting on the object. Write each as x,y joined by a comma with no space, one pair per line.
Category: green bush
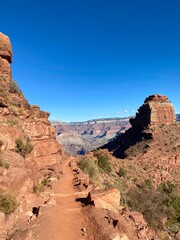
167,187
103,161
149,202
38,188
90,167
8,203
157,205
13,87
23,148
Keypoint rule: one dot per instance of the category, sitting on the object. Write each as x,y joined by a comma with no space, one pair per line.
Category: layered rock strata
156,111
23,167
30,119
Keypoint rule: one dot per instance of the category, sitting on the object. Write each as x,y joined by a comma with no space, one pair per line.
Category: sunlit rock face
5,56
156,110
33,123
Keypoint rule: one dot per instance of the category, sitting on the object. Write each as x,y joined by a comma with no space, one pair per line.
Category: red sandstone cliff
19,120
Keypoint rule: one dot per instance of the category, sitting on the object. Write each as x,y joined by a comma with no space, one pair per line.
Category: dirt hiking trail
63,221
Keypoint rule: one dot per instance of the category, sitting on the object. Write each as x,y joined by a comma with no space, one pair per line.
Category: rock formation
5,56
156,111
31,120
38,153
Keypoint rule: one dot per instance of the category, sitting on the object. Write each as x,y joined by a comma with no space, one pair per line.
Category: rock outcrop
5,56
30,120
29,151
106,199
156,111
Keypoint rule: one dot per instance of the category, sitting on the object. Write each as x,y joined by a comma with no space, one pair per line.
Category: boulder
120,237
107,199
137,217
178,236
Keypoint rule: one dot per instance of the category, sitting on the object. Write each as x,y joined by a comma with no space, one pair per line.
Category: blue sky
84,59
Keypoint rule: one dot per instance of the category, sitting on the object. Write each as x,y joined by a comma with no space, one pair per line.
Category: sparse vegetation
4,163
42,185
90,167
11,122
156,205
8,202
24,148
38,188
13,87
107,184
103,161
122,172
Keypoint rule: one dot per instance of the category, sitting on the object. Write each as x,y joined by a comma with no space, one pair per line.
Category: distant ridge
102,119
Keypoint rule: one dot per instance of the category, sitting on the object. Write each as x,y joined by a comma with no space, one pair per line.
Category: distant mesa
157,110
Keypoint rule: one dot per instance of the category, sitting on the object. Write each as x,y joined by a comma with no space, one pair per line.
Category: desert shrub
167,187
23,148
148,183
41,186
149,202
8,203
103,161
173,222
4,163
13,87
122,172
11,122
107,184
90,167
157,205
38,188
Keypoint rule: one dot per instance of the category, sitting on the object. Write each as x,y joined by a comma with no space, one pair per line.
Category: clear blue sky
84,59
